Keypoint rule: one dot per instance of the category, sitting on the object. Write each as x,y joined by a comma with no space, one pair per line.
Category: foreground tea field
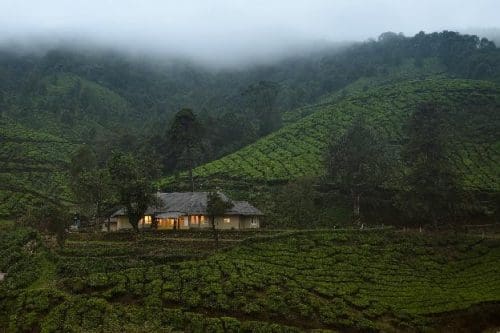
330,280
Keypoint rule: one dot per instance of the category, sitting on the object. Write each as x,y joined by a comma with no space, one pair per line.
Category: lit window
202,219
147,219
227,220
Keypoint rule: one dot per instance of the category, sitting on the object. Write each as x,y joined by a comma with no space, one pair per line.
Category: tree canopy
216,206
133,182
434,193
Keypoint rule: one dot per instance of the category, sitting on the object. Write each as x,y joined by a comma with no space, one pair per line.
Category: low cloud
231,32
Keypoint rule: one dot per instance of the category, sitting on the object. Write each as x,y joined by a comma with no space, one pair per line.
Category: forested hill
89,94
110,101
299,149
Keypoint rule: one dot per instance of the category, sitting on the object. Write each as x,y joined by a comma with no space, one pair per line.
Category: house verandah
187,210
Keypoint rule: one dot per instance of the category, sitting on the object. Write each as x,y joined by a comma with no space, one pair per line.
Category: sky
232,31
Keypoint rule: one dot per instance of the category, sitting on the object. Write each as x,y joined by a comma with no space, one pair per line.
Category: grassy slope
297,149
371,280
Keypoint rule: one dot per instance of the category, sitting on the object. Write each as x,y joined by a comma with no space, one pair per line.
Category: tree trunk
98,215
356,216
154,222
434,220
215,233
191,178
135,223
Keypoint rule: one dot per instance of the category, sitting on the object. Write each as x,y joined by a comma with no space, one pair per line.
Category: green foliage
48,219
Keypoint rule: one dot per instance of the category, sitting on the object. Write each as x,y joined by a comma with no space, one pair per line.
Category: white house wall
250,222
122,223
226,222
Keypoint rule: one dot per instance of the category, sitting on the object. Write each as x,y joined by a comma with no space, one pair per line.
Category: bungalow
188,210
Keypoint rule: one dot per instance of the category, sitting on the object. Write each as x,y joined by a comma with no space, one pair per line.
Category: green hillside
297,149
87,92
356,281
69,106
111,101
43,126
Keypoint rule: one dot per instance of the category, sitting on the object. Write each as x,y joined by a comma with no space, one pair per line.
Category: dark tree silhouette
357,164
216,206
132,181
433,190
183,148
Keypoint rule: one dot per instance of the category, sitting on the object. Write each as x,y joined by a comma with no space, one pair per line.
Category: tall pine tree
358,165
184,149
433,192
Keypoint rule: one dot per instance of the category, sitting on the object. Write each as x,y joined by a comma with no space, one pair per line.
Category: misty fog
230,33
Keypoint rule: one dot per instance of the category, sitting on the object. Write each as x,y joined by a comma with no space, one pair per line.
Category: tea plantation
41,130
33,167
298,149
323,280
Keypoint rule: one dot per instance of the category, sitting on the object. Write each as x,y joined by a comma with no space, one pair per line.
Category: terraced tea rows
297,149
314,280
82,258
333,280
32,166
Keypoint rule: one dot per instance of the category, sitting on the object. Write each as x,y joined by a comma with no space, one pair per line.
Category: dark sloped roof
186,202
193,203
244,208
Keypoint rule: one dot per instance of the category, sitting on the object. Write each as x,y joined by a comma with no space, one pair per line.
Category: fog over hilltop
230,33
